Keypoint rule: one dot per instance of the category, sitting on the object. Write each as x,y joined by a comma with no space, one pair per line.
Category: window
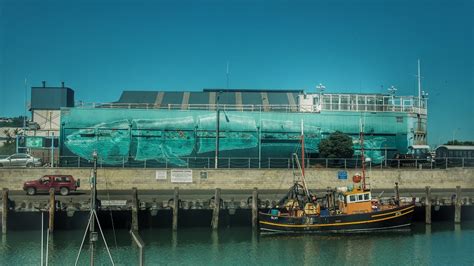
361,197
370,103
316,100
366,196
344,102
352,198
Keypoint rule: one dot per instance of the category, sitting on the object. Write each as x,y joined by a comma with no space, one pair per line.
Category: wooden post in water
134,209
215,213
4,210
457,206
175,208
255,208
52,209
428,205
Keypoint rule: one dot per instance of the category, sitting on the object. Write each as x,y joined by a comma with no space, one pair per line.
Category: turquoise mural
121,135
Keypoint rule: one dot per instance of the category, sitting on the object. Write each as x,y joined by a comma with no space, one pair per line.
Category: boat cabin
357,201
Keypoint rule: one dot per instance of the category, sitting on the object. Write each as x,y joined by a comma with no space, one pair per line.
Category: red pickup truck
61,183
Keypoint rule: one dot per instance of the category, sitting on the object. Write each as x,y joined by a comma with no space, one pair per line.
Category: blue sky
100,48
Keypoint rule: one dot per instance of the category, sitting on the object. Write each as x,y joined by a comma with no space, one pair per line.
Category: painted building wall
172,135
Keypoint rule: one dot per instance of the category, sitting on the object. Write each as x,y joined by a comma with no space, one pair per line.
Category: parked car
20,160
417,154
61,183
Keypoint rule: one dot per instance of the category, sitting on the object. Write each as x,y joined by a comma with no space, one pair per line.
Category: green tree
9,147
15,122
337,145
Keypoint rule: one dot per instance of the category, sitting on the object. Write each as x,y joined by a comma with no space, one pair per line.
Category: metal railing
330,102
285,163
255,163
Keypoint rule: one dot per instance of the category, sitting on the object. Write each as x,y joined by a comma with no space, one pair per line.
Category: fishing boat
344,209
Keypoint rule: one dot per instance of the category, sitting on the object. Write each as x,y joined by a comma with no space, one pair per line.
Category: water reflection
235,246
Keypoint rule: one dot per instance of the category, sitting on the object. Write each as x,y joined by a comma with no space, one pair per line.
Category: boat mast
361,136
303,179
302,147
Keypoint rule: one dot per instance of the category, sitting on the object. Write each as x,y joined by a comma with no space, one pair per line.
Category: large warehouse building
160,128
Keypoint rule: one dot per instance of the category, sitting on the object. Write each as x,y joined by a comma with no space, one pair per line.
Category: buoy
356,178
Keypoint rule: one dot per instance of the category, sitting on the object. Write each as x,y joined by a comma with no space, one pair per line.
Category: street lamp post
392,90
320,88
424,96
218,129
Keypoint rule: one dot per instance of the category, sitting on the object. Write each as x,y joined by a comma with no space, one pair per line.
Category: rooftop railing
309,103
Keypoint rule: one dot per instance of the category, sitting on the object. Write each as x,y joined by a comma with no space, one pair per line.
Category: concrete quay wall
235,179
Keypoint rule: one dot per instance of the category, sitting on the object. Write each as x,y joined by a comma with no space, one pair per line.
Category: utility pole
52,150
26,107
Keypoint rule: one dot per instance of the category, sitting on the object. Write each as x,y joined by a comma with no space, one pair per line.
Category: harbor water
442,243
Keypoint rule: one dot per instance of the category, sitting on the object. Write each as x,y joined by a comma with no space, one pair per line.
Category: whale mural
172,139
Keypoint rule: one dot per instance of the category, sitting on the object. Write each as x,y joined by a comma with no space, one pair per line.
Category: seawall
235,179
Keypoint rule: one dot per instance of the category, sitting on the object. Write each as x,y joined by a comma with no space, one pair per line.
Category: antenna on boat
419,86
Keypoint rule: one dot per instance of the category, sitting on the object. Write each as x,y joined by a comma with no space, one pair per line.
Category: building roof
51,98
210,96
457,147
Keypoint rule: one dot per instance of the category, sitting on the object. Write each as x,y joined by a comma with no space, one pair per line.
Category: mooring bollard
457,206
428,205
4,210
255,208
175,208
134,209
215,213
52,205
